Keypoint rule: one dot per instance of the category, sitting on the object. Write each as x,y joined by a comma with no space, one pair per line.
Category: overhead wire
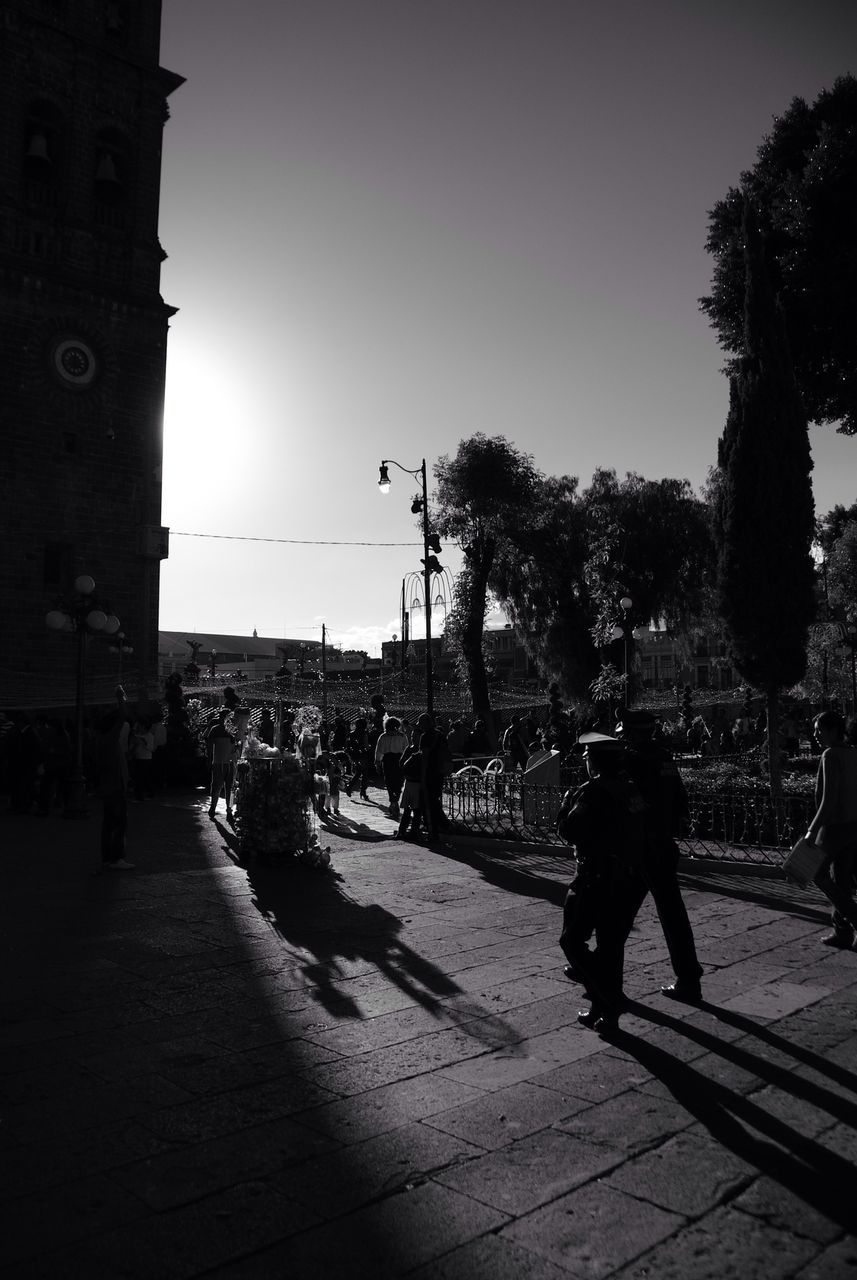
299,542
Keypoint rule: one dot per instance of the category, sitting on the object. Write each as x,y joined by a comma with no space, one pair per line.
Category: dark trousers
603,902
114,824
579,917
836,881
659,877
392,770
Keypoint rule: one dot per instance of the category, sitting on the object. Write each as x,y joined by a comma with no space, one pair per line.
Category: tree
539,578
764,517
485,492
836,534
652,541
561,575
830,528
842,574
804,186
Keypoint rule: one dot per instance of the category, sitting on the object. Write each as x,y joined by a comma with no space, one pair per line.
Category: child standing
334,782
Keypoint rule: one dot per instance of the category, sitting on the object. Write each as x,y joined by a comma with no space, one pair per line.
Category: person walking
334,780
514,745
605,820
834,825
111,759
389,750
436,761
652,768
142,750
361,754
413,798
26,763
221,752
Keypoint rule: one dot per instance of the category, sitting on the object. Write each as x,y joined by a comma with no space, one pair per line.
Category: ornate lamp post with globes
84,616
430,561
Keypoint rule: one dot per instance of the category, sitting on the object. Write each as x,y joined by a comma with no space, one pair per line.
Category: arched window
42,153
111,178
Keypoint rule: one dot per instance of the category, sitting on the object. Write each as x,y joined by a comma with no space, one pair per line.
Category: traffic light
434,542
432,564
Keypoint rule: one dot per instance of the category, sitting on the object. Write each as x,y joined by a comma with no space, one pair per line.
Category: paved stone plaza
212,1070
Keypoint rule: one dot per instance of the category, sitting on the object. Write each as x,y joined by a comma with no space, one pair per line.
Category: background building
83,103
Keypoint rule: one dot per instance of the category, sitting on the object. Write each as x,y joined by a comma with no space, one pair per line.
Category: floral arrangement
255,748
273,810
308,717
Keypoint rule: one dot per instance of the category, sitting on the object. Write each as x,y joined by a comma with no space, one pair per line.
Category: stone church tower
83,103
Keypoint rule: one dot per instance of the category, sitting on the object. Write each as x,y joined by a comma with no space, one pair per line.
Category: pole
404,630
323,672
427,588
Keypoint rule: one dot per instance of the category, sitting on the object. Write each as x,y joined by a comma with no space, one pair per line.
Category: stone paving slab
208,1069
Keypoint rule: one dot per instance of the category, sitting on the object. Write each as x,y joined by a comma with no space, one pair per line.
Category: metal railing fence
731,825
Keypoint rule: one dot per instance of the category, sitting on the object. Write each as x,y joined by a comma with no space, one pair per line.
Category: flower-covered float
274,812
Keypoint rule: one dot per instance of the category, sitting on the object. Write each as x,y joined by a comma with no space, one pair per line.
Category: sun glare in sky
392,226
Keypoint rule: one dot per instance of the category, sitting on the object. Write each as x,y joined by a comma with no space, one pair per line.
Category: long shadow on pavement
315,913
503,869
817,1175
778,894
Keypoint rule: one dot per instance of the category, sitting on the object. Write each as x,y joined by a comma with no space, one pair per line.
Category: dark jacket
655,773
605,819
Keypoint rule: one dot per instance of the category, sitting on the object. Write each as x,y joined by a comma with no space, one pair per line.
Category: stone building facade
83,103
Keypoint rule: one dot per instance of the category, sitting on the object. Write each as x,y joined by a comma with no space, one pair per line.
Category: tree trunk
471,649
775,779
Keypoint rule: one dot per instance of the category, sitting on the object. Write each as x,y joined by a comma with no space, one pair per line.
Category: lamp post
120,647
430,562
83,616
624,630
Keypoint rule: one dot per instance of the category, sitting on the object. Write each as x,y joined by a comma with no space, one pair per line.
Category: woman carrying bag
834,826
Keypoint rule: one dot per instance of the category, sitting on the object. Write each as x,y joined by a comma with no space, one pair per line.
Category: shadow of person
780,1074
501,868
344,938
820,1177
779,894
351,830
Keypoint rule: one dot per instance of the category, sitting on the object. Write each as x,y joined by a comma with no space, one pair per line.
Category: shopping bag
804,862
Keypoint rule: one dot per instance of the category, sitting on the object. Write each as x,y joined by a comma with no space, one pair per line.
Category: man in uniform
605,821
652,768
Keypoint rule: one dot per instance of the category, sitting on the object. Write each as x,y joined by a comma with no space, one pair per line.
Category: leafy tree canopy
561,578
842,574
831,527
804,185
650,540
484,496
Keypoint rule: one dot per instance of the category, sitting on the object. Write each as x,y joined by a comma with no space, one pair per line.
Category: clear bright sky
394,223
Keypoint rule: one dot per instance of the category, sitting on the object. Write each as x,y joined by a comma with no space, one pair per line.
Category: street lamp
430,561
624,630
119,647
83,616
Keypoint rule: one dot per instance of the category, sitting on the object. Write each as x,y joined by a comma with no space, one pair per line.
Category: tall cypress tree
764,502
